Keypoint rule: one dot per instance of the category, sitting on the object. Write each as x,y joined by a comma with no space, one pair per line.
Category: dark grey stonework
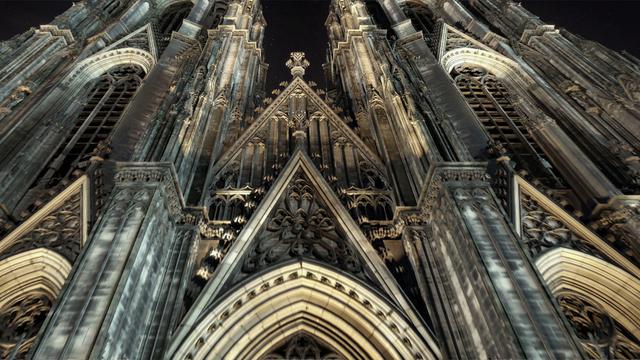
467,181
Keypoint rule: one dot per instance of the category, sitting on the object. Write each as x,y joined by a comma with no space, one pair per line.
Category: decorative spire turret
297,64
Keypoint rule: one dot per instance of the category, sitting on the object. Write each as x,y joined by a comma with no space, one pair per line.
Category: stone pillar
125,285
489,298
445,95
589,183
143,106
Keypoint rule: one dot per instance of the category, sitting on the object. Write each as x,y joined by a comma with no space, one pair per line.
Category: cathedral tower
466,184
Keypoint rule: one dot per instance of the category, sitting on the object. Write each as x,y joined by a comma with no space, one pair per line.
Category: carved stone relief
61,231
541,230
20,323
303,346
620,227
301,228
600,335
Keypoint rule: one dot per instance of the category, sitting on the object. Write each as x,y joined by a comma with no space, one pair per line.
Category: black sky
295,25
299,25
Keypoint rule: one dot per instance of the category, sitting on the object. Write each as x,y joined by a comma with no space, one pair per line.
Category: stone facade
465,185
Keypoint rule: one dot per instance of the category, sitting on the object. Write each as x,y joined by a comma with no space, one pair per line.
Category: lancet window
171,19
421,17
503,123
105,105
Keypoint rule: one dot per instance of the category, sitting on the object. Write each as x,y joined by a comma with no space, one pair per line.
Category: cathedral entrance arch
266,312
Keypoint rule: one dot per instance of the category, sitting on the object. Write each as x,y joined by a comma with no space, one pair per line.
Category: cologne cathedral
465,185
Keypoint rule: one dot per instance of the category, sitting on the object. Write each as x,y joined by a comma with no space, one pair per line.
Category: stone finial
297,64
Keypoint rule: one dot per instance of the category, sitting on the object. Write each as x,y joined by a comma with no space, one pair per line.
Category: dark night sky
299,25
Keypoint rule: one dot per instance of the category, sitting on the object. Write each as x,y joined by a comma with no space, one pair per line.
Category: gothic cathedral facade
466,185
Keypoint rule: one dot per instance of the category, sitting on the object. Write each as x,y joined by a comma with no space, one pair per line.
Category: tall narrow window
421,17
489,99
106,102
172,18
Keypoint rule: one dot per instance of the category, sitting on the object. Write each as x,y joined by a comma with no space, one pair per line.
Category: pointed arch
499,65
40,270
599,300
30,282
615,290
100,63
171,14
163,5
225,274
339,310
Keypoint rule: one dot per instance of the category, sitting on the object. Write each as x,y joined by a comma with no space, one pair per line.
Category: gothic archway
98,64
172,16
599,300
105,104
260,314
29,285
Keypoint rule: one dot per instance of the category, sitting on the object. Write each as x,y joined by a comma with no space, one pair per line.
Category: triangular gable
142,39
299,167
61,225
258,131
542,225
451,38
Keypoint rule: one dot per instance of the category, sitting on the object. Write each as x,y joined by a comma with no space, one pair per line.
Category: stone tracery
302,346
301,228
389,144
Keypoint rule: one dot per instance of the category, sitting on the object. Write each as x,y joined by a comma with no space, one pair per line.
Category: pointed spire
297,63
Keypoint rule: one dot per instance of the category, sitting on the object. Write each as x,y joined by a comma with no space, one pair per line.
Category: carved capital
162,175
449,174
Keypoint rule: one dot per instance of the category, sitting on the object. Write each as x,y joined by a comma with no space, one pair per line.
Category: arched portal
29,285
599,300
350,319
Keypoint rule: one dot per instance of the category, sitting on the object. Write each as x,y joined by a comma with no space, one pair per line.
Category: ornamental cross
297,63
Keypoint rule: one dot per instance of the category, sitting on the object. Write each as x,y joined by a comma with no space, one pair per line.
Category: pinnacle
297,63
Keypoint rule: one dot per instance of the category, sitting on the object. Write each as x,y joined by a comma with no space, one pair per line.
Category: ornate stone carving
301,227
303,346
443,175
60,230
600,335
630,86
621,228
541,230
149,173
580,96
19,325
297,63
